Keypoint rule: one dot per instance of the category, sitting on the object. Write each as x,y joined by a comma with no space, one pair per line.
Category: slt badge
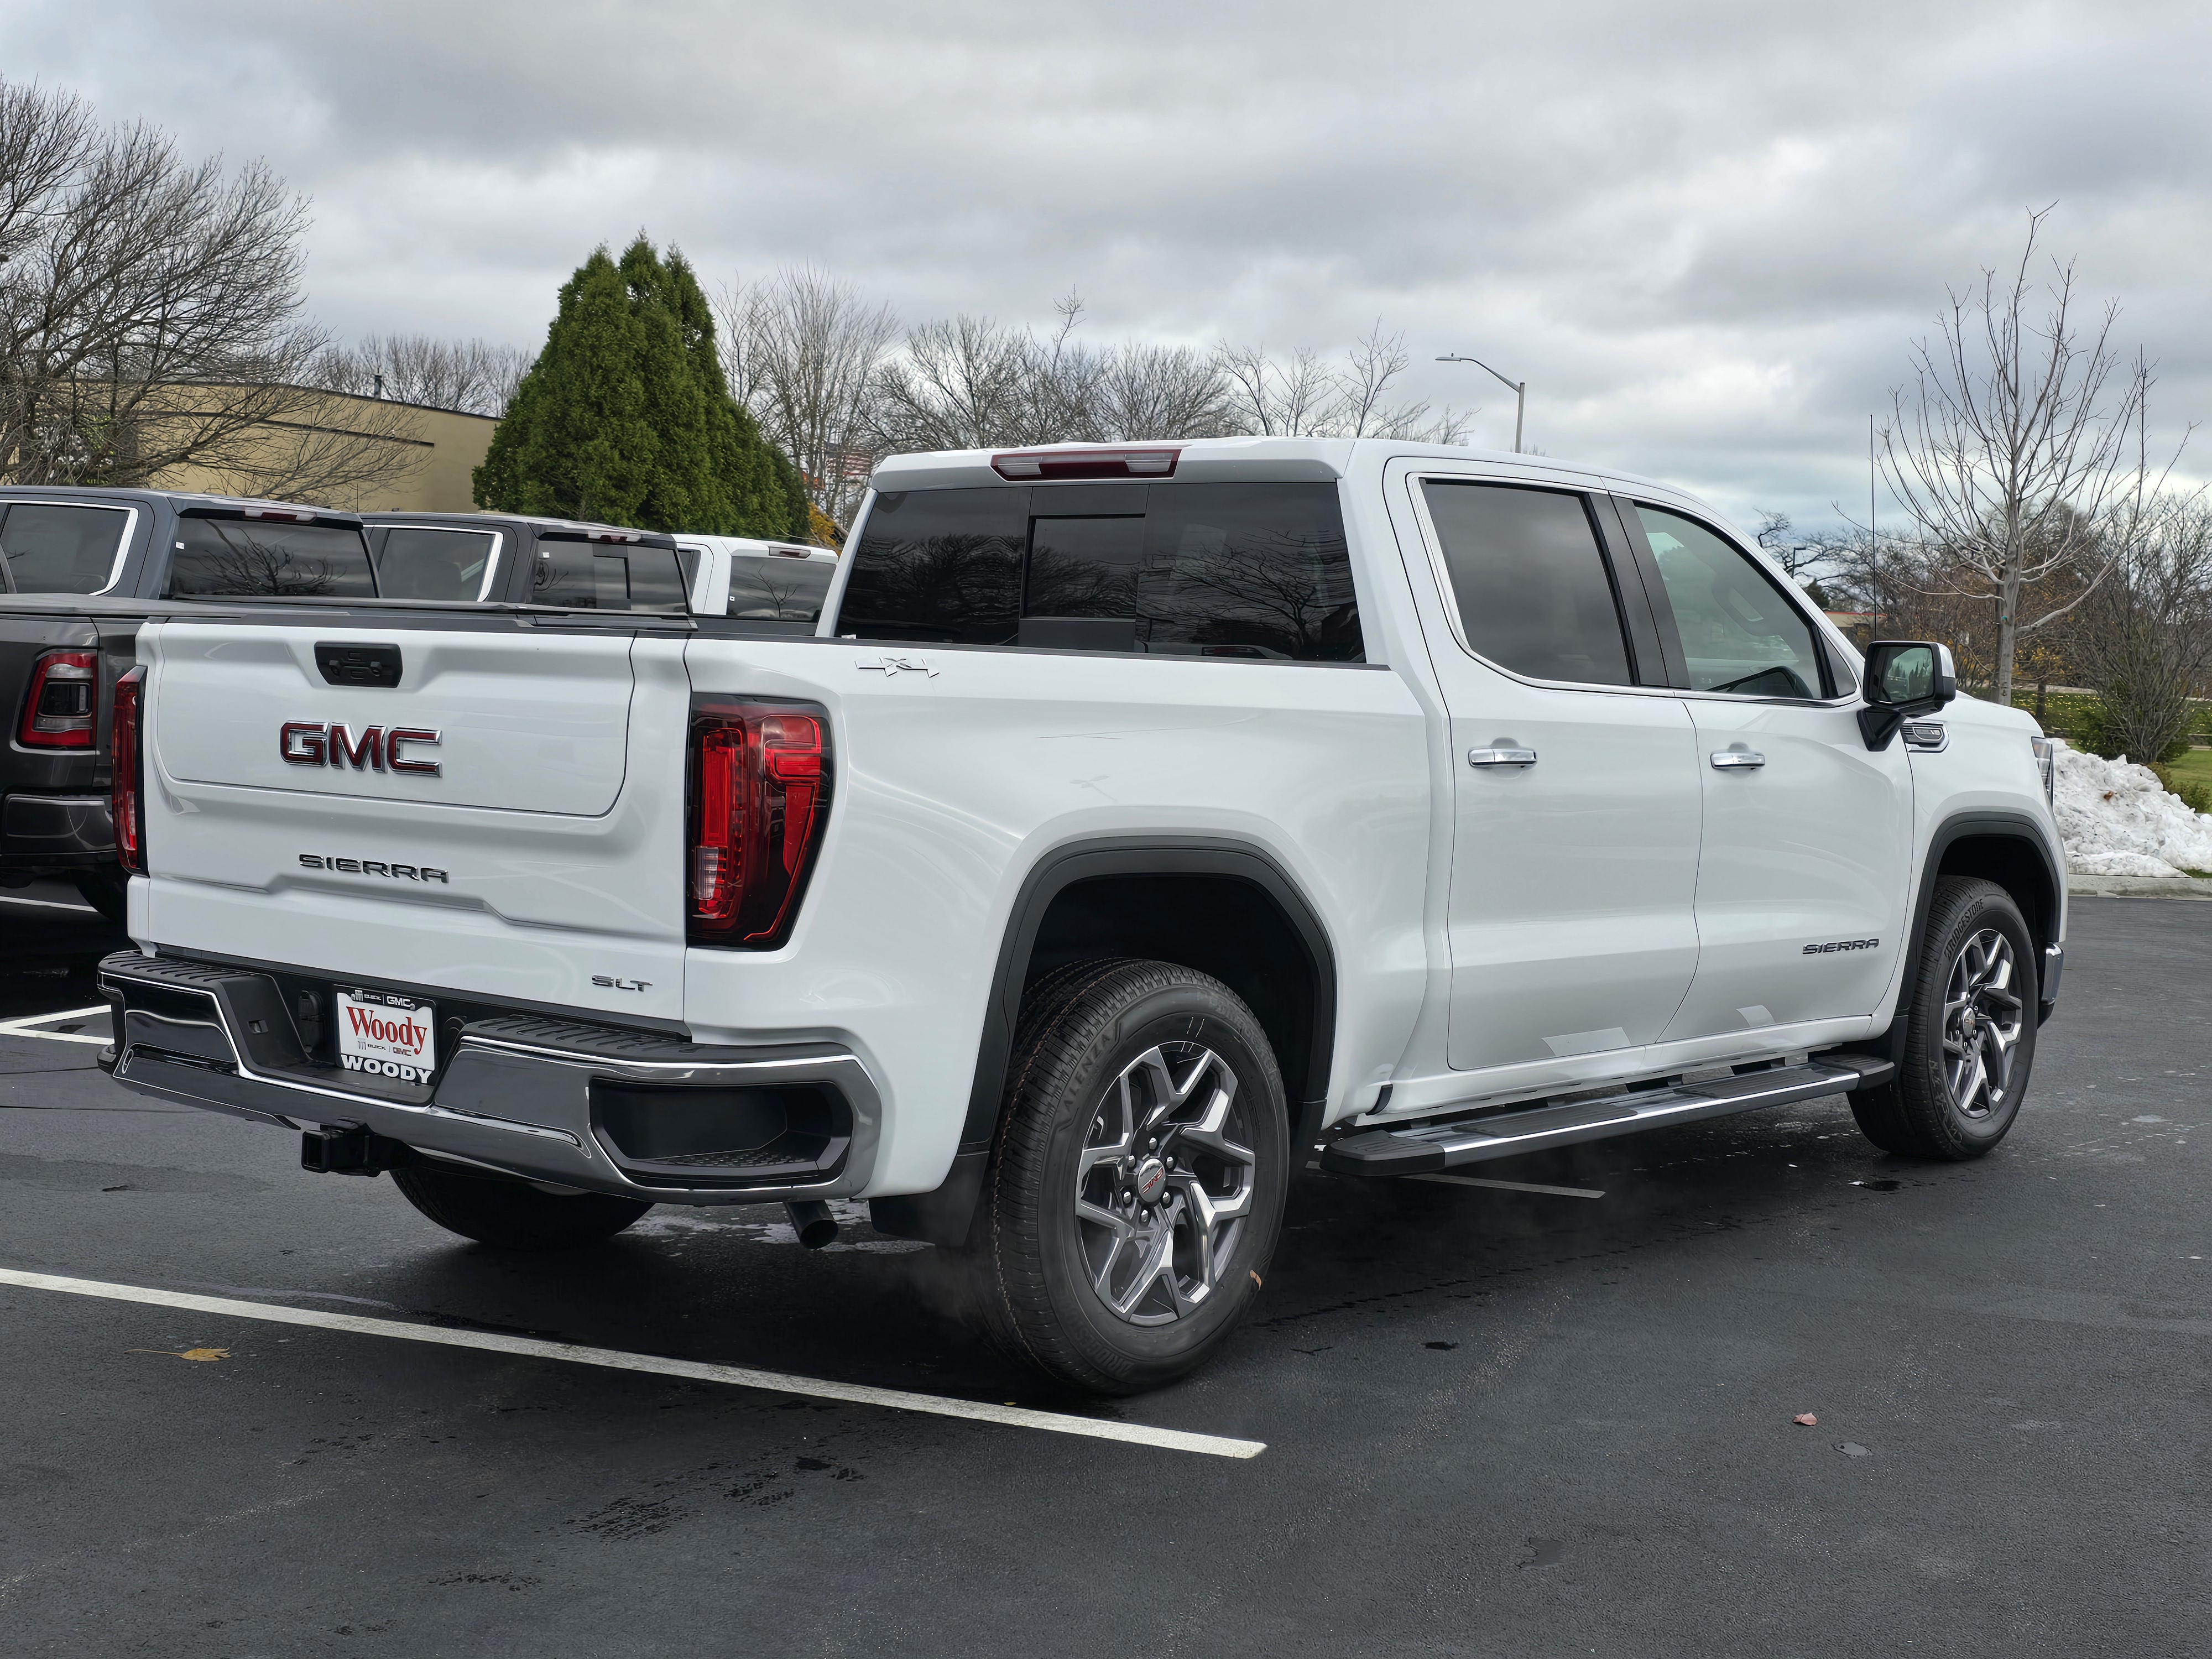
889,667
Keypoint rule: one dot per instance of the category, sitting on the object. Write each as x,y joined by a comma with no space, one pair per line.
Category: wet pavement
1496,1422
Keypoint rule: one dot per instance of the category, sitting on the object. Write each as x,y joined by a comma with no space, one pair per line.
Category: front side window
1739,634
423,564
54,549
1530,582
779,590
231,558
1250,571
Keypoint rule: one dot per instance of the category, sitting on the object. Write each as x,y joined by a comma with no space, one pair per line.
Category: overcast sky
1705,233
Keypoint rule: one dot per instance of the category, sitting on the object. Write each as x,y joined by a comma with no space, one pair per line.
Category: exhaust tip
811,1220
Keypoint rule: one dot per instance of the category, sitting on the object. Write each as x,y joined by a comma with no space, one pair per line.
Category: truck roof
542,526
1226,461
181,500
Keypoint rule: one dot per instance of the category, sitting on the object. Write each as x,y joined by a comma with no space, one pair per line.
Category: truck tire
1970,1031
1136,1182
512,1214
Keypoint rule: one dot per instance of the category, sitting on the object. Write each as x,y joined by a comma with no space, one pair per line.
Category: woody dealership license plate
389,1036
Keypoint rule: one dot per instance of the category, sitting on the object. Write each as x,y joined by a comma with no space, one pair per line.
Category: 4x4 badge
888,666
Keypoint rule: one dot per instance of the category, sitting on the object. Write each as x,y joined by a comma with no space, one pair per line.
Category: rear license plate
388,1036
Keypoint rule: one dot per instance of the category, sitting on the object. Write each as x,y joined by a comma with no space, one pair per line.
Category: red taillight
1146,461
129,764
63,702
760,800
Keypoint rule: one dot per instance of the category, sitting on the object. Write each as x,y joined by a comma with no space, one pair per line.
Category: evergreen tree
626,417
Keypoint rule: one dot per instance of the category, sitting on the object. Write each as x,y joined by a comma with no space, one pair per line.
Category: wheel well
2014,865
1219,925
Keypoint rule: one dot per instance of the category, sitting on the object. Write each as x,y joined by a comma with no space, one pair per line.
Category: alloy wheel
1983,1019
1164,1184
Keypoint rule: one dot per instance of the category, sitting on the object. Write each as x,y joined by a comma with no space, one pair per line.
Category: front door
1575,849
1808,845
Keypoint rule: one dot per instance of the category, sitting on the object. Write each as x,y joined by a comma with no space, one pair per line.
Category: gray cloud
1703,232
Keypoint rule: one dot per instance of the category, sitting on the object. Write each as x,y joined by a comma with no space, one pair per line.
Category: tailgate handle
343,663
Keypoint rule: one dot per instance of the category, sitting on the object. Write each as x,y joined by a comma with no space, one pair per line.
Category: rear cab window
231,556
1254,571
772,589
580,572
429,562
55,547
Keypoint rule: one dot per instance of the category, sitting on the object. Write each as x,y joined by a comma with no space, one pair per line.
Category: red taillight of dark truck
63,704
759,803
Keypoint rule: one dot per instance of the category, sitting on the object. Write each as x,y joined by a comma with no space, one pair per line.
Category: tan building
411,457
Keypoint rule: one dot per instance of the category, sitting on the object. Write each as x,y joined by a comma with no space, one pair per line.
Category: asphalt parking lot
1494,1422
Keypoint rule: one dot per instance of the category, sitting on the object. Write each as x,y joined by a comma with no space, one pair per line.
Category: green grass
2195,767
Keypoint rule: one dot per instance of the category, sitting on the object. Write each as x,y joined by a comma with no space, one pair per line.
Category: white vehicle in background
781,583
1125,824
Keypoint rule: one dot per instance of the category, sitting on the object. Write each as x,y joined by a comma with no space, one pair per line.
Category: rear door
423,805
1807,843
1575,849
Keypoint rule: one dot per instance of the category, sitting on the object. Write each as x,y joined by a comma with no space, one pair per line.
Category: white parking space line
23,1027
50,904
1509,1186
1015,1417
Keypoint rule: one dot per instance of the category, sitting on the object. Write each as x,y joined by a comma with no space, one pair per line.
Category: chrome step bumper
1424,1148
516,1094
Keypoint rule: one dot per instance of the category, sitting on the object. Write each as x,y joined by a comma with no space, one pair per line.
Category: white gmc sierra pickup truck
1139,826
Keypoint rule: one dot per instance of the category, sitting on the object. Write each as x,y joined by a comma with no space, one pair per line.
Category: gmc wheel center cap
1151,1179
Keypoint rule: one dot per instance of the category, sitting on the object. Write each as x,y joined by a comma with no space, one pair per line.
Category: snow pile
2117,820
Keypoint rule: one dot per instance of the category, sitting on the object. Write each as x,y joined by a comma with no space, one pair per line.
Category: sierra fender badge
1843,944
890,667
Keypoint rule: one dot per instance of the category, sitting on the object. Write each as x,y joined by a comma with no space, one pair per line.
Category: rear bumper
594,1107
56,832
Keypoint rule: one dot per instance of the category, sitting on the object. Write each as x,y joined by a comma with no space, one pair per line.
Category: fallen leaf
1806,1420
187,1353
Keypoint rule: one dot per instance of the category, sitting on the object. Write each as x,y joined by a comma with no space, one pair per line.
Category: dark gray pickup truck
80,569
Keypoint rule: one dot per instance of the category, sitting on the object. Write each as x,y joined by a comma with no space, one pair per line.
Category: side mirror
1904,678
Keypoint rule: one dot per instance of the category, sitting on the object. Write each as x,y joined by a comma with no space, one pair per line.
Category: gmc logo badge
312,743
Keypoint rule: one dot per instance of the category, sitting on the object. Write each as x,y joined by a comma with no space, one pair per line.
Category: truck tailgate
518,842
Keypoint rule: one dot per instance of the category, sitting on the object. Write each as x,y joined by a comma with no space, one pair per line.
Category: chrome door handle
1501,758
1728,760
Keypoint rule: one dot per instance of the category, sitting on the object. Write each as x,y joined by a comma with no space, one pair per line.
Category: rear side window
1739,634
1228,570
61,550
223,558
779,590
415,563
1532,586
595,576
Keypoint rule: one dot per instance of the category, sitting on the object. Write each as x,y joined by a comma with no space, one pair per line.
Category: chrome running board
1424,1148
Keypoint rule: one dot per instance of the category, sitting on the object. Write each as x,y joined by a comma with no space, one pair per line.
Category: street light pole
1520,393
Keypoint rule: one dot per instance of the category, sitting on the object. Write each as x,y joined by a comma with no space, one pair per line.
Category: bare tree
149,318
473,377
2143,638
802,350
2012,449
1304,396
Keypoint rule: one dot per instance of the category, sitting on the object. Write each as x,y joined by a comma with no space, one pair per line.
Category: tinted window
61,550
220,557
939,564
779,590
1739,633
1257,571
595,576
1532,586
431,564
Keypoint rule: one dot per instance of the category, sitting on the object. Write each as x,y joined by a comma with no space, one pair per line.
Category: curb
2187,887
